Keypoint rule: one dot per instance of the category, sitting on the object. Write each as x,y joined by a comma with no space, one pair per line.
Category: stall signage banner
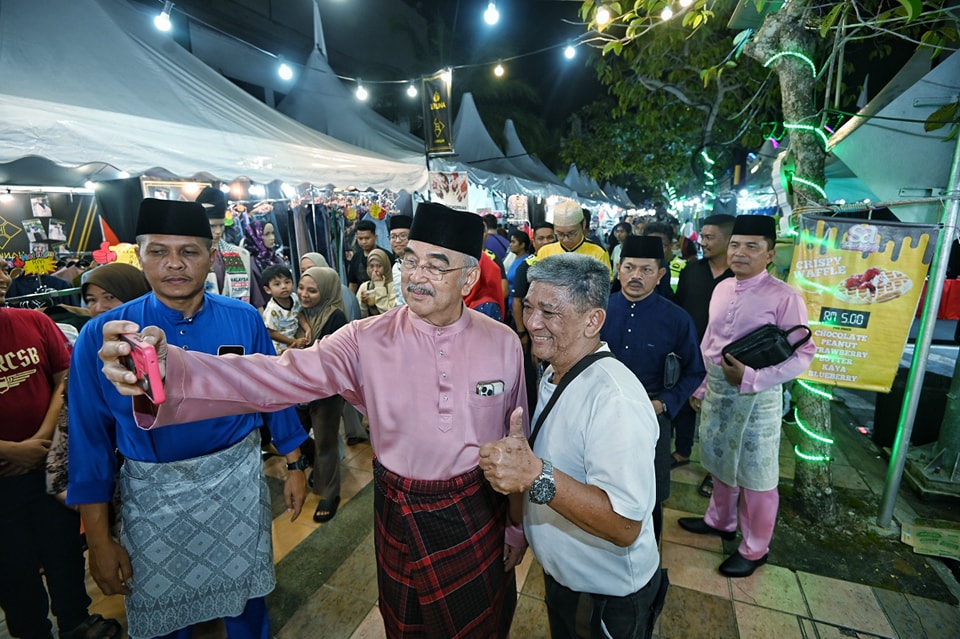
450,189
861,281
438,129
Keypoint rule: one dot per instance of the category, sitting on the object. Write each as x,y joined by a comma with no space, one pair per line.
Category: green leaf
953,134
941,117
830,19
913,8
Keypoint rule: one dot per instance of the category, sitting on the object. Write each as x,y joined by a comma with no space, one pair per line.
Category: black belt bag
766,346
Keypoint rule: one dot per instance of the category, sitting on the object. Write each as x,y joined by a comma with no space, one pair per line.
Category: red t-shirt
489,288
32,350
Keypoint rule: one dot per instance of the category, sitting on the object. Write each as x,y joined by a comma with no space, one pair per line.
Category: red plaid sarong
440,557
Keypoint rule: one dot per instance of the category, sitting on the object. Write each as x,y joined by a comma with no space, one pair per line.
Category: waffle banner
861,280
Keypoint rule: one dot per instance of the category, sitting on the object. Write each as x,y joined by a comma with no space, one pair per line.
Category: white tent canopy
322,102
476,150
532,167
93,81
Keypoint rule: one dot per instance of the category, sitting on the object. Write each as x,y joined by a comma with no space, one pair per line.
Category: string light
809,129
602,16
284,71
162,21
412,90
498,70
6,197
491,16
362,94
813,185
686,3
667,13
812,389
570,52
706,157
795,54
809,457
809,432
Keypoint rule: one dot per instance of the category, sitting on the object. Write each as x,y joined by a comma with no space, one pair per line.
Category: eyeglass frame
405,236
568,234
432,273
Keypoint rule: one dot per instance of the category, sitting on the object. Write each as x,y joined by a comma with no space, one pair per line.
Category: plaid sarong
440,557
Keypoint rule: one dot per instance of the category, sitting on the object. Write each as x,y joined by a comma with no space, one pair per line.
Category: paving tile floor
327,580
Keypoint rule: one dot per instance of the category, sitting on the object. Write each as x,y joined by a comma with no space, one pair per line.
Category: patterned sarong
440,557
740,433
198,535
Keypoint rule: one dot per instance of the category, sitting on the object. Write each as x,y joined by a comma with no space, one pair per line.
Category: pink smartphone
143,362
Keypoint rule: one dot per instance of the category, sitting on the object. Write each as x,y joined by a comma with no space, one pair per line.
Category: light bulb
412,91
498,70
6,197
491,15
162,21
285,71
362,94
603,16
667,13
685,3
570,52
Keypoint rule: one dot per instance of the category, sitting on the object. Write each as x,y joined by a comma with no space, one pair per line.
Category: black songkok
172,217
214,202
400,221
642,246
451,229
762,225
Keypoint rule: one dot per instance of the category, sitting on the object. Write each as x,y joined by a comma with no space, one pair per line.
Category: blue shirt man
195,508
643,329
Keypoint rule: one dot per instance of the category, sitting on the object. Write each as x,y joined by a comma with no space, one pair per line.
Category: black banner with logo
437,119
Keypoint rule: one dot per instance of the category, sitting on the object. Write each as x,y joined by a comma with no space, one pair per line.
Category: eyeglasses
569,235
432,271
399,236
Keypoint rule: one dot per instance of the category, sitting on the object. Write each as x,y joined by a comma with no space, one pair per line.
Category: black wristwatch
300,464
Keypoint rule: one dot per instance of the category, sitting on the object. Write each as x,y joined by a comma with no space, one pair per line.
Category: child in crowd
281,314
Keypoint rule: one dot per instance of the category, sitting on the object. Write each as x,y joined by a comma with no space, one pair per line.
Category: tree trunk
783,31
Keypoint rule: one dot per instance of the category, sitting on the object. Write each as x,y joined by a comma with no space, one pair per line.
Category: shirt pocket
489,409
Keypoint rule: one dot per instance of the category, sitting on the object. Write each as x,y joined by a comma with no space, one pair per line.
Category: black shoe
698,526
353,441
736,565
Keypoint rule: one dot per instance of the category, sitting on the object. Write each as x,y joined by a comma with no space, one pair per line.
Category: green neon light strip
706,157
809,433
815,391
795,54
809,129
809,457
813,185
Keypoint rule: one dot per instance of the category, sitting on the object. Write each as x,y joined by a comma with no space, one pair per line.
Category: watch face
543,490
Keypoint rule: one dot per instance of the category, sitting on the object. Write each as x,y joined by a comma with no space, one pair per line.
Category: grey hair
585,279
469,262
207,242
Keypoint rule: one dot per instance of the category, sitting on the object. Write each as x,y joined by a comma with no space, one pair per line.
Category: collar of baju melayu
644,304
423,326
751,282
583,238
154,305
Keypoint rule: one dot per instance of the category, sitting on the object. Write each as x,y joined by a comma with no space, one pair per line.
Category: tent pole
921,350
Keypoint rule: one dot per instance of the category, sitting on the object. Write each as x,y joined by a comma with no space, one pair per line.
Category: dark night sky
526,26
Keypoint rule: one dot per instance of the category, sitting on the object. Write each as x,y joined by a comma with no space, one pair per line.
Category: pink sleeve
234,385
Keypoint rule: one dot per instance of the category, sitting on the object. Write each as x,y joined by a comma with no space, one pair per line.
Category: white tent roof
476,150
93,81
532,167
320,101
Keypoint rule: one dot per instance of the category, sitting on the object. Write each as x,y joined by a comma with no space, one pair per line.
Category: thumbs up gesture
509,464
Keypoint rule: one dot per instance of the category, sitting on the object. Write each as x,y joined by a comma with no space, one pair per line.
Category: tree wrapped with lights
790,40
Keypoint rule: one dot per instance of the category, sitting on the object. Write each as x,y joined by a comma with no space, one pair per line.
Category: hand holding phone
143,362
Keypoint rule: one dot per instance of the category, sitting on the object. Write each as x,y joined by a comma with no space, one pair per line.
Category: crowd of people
543,379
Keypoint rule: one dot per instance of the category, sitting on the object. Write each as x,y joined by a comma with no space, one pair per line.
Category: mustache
420,290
